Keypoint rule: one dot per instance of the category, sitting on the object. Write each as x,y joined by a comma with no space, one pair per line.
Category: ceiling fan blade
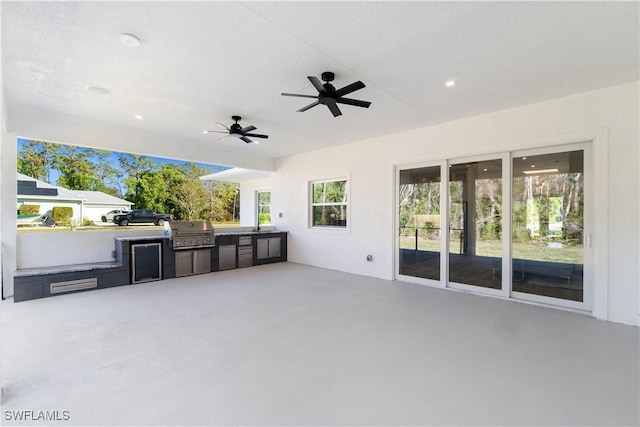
308,106
248,129
224,137
300,96
224,126
245,139
350,88
316,83
256,135
214,131
334,109
354,102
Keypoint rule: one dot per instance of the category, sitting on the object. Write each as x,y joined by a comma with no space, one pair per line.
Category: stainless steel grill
191,234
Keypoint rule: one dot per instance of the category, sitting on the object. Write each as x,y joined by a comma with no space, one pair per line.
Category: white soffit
236,175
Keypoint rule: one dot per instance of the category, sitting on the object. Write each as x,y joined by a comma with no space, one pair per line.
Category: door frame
587,278
396,219
504,292
598,218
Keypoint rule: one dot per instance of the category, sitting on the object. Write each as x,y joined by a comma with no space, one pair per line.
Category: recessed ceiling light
205,131
256,142
533,166
97,90
450,83
129,39
539,171
485,169
524,158
138,116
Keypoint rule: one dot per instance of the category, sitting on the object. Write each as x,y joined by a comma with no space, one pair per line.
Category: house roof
68,77
89,197
98,198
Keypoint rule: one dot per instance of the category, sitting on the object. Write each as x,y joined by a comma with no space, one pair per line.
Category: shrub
29,209
62,215
87,221
264,218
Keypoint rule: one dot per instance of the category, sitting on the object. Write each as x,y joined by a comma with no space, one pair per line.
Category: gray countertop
66,268
248,233
140,238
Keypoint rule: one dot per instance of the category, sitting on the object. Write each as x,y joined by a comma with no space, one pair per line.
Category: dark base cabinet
46,285
270,248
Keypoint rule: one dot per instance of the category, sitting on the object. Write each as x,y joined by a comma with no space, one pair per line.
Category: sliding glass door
419,222
515,225
475,223
548,221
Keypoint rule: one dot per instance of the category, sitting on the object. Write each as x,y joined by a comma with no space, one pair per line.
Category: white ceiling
201,62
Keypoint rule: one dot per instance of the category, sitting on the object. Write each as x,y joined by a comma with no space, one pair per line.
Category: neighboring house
86,204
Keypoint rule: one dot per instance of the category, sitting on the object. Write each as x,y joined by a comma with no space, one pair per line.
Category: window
329,203
264,207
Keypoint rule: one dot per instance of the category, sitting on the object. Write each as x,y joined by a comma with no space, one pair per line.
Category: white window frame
258,192
347,204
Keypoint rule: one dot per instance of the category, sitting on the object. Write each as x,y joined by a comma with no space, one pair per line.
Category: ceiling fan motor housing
327,76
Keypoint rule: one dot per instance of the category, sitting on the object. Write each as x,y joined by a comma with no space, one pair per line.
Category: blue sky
115,164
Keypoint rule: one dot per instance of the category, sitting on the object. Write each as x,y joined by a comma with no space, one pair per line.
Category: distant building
85,204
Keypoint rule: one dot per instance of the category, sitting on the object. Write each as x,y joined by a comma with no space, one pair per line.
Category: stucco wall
370,166
38,249
248,207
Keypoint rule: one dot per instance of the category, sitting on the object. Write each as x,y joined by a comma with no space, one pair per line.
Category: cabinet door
227,257
146,262
184,263
202,261
263,248
274,247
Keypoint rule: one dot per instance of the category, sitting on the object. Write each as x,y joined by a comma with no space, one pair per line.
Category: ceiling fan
330,96
238,131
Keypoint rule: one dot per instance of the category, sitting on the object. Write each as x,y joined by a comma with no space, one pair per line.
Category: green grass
531,250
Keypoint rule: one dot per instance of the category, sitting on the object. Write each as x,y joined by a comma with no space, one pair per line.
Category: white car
108,217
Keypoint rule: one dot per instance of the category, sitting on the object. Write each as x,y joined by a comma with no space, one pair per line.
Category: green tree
140,171
77,171
221,202
109,178
191,197
35,159
149,191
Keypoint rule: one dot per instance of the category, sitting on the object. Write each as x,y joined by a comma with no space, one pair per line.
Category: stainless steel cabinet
268,247
190,262
227,257
245,252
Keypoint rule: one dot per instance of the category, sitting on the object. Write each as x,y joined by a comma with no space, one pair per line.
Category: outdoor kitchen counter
42,282
247,233
140,238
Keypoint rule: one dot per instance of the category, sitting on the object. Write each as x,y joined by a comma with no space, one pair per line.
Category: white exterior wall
8,190
46,205
248,200
72,247
370,166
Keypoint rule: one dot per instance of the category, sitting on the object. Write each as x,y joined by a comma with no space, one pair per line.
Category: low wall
50,249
